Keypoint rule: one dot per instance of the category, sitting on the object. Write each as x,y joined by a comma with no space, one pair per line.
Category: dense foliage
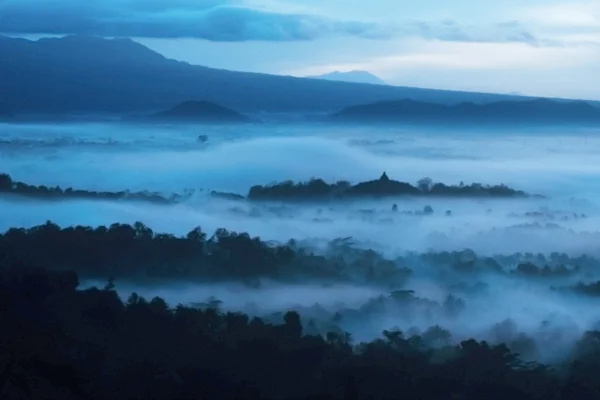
125,251
64,342
9,186
88,344
317,189
137,252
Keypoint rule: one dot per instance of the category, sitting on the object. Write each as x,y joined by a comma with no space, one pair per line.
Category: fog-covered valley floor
449,251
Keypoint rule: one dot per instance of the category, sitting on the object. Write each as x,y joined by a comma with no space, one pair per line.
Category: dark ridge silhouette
526,111
200,112
78,74
313,190
59,341
317,189
10,187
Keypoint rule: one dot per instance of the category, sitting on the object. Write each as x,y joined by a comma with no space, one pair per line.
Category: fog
487,227
563,165
103,156
507,309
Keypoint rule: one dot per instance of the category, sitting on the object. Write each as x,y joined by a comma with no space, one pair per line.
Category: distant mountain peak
93,75
355,76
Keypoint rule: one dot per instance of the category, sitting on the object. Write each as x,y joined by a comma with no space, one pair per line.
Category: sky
536,47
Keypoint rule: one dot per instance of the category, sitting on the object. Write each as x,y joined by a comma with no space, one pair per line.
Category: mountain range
351,76
526,111
86,74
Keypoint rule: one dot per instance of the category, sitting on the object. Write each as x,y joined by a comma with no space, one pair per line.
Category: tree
196,235
110,286
142,231
437,336
425,184
6,183
292,324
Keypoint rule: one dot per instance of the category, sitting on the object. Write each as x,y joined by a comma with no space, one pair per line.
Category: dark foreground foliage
61,342
318,189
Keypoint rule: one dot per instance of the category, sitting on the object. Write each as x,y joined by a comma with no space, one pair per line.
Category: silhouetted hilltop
534,111
351,76
313,190
383,187
90,74
10,187
317,189
200,111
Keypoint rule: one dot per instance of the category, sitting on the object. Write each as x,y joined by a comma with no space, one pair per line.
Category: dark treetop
313,190
317,189
59,341
10,187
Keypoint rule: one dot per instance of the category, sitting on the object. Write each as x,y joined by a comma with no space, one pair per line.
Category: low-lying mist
498,309
485,226
169,158
540,313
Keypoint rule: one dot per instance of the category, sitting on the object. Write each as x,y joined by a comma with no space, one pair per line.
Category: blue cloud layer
217,20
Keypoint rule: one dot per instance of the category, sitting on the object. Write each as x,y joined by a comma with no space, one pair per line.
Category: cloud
579,15
554,71
421,54
452,31
222,20
211,20
566,24
489,56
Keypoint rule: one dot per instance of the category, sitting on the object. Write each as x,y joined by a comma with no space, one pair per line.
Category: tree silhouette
62,342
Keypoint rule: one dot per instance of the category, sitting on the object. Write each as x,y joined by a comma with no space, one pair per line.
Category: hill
200,111
318,190
10,187
351,76
525,111
84,74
